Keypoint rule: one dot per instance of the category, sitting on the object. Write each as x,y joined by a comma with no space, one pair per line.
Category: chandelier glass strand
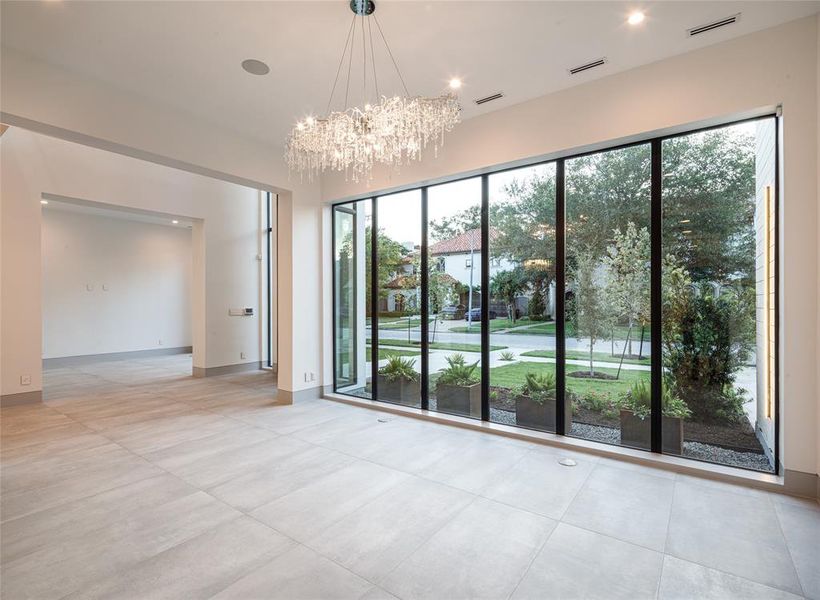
391,131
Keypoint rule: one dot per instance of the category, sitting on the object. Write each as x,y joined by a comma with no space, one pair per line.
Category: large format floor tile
308,511
540,484
629,505
135,480
801,527
482,553
378,536
735,533
576,563
683,580
299,574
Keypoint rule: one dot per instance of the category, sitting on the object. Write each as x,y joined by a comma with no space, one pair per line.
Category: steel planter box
637,432
400,391
529,413
459,400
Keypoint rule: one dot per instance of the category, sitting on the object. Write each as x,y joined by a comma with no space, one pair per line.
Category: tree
627,264
508,285
391,256
591,314
461,222
537,306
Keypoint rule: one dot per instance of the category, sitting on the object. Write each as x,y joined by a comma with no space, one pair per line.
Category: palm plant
398,368
458,372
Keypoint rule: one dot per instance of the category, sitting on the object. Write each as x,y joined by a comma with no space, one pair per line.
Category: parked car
453,313
476,314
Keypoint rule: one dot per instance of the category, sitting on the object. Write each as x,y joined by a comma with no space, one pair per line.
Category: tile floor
135,480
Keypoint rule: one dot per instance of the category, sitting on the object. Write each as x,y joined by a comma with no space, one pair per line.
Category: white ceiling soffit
99,209
189,54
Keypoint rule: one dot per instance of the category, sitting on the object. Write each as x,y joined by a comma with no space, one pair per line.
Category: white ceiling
188,54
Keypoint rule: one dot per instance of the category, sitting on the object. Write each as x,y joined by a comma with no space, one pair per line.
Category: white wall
225,242
48,98
140,279
734,78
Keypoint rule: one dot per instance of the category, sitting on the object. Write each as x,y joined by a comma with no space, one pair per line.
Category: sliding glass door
625,296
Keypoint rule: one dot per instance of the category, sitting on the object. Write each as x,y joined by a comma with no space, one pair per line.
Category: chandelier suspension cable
350,64
364,63
373,61
339,68
386,45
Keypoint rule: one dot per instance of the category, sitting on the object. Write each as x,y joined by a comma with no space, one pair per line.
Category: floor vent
489,98
714,25
588,66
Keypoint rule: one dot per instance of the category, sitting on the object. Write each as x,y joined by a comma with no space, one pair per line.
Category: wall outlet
160,342
313,376
242,355
25,379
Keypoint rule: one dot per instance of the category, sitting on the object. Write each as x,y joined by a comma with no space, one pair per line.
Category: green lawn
580,355
387,353
512,376
399,324
495,325
439,346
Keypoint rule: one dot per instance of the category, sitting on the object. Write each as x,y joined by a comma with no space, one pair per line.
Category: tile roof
462,243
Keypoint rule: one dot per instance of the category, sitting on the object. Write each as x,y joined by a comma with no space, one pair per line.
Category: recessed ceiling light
43,201
175,222
255,67
455,83
636,17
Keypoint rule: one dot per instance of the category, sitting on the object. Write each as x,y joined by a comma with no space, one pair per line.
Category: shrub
639,400
709,342
599,402
507,356
458,372
539,387
398,368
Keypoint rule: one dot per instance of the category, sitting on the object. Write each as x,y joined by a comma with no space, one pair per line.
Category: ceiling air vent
587,66
713,25
489,98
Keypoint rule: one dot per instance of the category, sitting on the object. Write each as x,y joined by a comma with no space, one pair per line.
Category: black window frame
656,253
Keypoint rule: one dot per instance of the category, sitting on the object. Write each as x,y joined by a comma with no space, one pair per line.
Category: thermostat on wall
241,312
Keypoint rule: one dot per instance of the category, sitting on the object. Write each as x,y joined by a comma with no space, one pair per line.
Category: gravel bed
709,453
607,435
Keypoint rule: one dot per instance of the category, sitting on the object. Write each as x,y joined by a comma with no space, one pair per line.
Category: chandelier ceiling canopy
390,130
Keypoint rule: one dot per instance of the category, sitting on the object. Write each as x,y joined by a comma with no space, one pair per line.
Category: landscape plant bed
593,375
593,417
740,436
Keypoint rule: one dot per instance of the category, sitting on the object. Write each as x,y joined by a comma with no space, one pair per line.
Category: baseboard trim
227,369
798,483
84,359
21,399
289,397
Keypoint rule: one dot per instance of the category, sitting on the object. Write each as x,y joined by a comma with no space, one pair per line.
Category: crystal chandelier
391,130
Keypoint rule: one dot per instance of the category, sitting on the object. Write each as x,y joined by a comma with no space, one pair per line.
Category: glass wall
351,298
522,229
455,297
398,252
709,393
607,296
718,294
